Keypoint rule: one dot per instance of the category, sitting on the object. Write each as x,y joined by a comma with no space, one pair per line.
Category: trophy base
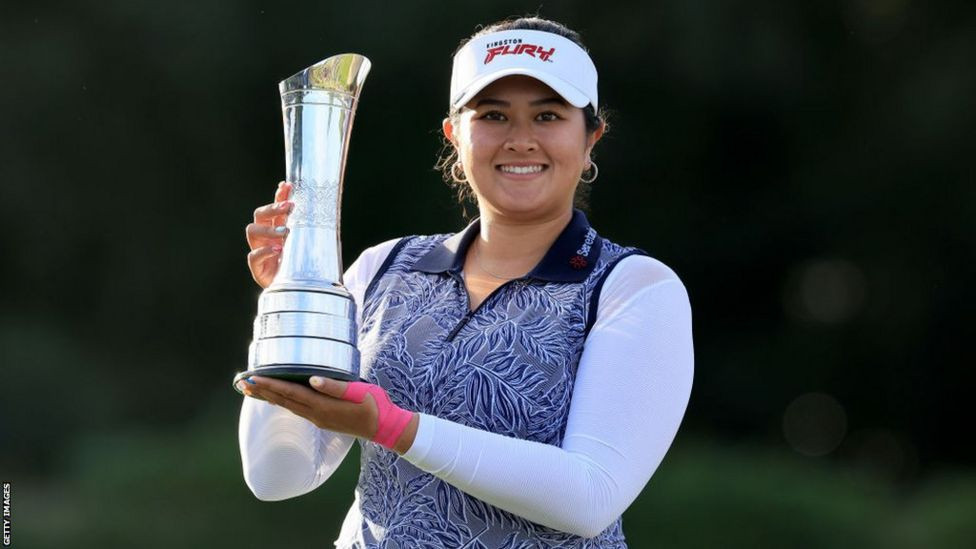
295,373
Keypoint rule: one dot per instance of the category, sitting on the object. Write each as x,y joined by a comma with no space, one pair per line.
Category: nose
521,138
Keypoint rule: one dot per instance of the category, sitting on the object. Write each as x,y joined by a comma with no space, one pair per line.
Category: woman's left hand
323,404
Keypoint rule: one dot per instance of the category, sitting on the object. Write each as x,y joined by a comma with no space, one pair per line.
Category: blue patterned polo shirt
507,367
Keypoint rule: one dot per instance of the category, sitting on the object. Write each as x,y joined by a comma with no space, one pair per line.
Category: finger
332,387
284,189
263,263
294,406
278,393
264,235
287,390
259,256
245,387
269,213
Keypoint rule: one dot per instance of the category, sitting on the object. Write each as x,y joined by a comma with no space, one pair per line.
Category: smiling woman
522,378
522,148
593,117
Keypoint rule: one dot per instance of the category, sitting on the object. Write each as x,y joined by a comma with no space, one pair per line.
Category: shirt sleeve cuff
422,442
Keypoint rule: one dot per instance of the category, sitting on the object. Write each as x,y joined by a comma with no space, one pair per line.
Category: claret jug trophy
306,319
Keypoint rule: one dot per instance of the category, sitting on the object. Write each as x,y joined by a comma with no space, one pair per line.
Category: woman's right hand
266,236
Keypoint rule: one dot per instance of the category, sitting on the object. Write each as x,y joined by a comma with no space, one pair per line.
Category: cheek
473,142
479,151
485,135
570,150
470,158
566,142
478,144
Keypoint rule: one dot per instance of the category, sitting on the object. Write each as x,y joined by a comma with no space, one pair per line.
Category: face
522,147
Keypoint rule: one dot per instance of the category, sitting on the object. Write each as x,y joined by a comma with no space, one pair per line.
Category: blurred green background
806,168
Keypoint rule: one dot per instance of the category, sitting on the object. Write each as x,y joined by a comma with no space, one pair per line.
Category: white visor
555,61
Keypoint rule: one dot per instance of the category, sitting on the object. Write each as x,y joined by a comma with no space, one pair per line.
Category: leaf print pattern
509,370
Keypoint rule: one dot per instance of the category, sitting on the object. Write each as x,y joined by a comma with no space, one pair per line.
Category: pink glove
392,419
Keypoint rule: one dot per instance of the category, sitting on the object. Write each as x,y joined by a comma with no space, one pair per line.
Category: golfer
522,378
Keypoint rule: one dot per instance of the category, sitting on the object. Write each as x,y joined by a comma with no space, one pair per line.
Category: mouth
521,169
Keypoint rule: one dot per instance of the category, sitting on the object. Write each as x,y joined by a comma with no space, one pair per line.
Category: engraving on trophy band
310,269
316,205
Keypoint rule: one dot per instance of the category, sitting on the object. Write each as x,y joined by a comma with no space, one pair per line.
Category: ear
448,127
592,139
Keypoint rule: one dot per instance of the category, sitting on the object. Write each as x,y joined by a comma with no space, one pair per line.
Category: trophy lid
344,73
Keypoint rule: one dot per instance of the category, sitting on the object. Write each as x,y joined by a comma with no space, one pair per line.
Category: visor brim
567,91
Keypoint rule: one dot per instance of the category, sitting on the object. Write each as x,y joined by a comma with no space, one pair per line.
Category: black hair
591,117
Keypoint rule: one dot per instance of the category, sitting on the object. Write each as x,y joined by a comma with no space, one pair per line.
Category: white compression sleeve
284,455
631,391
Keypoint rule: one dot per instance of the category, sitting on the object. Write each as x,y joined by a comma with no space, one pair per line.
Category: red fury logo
518,49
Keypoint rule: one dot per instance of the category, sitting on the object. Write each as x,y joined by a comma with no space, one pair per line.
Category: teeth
522,169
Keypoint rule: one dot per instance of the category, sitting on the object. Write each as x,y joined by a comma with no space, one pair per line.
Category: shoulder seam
595,296
390,257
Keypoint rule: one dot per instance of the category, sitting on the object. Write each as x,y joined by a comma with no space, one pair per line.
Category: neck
514,247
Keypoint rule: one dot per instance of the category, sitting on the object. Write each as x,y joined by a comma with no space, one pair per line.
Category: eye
547,116
493,115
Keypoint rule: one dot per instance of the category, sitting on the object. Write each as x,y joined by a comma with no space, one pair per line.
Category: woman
524,377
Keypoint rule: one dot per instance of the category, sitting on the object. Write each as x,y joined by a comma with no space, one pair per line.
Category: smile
522,170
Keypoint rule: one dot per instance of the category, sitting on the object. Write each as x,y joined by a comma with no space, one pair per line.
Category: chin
523,201
522,208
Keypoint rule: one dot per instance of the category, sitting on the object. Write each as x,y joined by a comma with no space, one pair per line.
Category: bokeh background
806,168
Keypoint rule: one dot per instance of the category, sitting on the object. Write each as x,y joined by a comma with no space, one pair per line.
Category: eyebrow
544,101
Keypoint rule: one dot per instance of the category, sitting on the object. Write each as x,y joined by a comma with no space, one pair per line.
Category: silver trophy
306,321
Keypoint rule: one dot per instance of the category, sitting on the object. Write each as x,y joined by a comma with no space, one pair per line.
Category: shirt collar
571,257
